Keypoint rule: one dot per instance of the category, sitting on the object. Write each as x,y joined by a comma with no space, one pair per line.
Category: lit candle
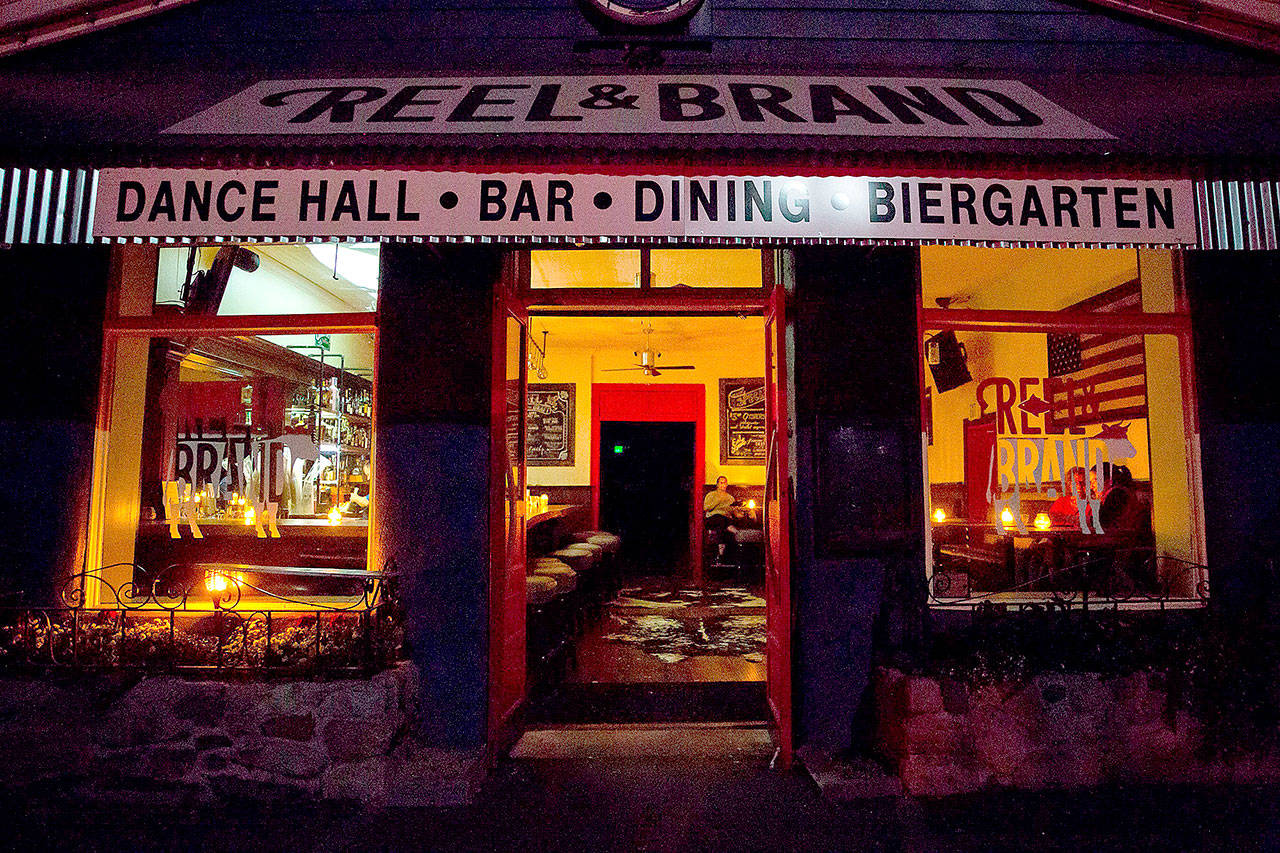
248,516
335,515
751,504
1006,517
939,514
1042,521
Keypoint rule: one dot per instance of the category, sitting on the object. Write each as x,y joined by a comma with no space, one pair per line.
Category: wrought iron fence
1096,579
162,627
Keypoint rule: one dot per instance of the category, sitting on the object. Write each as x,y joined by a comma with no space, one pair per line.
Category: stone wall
1059,730
168,739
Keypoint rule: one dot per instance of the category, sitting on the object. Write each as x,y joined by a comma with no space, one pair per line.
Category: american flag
1105,374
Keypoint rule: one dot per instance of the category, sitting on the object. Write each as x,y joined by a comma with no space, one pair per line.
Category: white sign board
183,203
652,104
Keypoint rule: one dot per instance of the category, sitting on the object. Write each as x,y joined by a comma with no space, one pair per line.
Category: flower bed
280,642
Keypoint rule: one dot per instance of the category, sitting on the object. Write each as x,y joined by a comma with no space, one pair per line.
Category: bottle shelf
348,449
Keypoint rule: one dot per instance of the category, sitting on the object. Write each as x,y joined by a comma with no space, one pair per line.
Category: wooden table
1014,559
540,527
553,512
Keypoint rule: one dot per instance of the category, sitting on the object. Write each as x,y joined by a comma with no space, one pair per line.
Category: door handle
770,478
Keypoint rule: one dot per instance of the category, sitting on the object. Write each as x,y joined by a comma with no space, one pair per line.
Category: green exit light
618,449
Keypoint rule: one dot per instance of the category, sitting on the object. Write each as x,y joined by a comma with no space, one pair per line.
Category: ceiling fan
649,359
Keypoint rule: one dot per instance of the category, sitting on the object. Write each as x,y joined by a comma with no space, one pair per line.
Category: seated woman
1065,511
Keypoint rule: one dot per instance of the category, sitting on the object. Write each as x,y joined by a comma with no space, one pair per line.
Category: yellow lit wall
115,496
1010,355
1171,514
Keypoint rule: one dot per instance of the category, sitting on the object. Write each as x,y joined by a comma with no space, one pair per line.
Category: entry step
586,743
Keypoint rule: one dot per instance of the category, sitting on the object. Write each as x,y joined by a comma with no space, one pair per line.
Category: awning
57,206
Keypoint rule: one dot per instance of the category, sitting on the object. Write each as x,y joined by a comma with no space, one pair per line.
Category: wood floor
661,653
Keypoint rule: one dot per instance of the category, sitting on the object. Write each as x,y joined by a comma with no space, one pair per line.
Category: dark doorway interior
646,478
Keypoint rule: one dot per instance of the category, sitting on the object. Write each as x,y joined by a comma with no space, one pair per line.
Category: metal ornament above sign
305,203
645,104
645,13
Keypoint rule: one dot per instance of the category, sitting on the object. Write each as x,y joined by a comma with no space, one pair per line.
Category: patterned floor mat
672,639
729,596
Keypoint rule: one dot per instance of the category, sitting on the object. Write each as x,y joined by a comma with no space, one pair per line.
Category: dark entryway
646,478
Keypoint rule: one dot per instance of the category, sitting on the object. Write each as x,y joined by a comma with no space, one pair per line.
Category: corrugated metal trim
1238,214
47,205
56,206
625,240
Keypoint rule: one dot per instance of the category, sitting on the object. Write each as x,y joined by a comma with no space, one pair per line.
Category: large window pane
312,278
1058,465
705,268
1085,280
584,268
244,451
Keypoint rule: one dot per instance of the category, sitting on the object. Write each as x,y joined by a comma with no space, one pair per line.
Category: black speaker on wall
204,293
947,360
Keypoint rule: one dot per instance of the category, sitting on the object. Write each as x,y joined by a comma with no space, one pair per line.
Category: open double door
507,676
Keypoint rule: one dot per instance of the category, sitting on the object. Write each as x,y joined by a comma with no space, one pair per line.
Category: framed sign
864,487
550,425
742,425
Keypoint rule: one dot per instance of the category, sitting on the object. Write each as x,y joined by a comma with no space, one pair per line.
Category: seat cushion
566,578
608,541
539,589
580,559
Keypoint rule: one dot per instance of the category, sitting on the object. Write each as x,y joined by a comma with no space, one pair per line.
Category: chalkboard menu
742,429
550,425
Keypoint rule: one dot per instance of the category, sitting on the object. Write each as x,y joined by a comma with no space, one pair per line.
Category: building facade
981,252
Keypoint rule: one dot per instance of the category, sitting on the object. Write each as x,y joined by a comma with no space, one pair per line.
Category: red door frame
507,628
777,518
655,403
772,300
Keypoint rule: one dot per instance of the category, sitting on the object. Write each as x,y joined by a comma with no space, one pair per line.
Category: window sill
1070,601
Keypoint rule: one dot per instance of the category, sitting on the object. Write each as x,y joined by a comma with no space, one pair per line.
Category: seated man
718,513
1121,510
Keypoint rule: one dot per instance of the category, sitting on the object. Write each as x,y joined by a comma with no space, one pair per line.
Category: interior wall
355,349
289,280
713,359
1022,279
116,495
1010,355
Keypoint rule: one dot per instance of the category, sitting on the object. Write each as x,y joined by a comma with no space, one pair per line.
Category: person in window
1121,510
358,505
1065,511
717,508
1125,516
